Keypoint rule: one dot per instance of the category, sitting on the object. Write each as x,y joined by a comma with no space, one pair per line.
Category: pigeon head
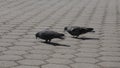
65,29
37,35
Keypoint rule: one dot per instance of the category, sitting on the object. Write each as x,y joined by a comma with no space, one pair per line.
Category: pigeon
48,35
75,31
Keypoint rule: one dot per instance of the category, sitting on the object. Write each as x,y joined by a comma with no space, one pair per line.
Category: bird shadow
56,44
86,38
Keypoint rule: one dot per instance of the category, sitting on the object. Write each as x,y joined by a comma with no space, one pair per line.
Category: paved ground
21,19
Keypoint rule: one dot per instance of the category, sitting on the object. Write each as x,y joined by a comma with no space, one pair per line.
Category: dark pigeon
48,35
75,31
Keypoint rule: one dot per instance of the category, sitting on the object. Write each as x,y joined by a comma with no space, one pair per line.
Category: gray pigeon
75,31
48,35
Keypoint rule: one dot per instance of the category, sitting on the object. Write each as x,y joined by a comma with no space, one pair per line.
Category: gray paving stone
10,57
43,46
110,45
3,48
37,51
90,41
25,66
87,55
10,37
5,64
59,61
24,44
7,40
84,65
68,42
68,47
16,33
110,41
89,45
20,48
31,62
27,40
36,56
110,53
110,64
19,31
65,51
88,50
66,56
55,66
29,36
110,58
108,49
86,60
14,52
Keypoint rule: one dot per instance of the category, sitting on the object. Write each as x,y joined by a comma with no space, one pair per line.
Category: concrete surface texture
21,19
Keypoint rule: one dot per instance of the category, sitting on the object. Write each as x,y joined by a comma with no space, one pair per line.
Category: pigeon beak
93,31
65,32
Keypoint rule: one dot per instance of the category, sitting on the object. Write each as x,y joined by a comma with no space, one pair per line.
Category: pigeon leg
46,41
49,40
75,36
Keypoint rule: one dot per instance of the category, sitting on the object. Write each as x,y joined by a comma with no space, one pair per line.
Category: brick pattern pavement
21,19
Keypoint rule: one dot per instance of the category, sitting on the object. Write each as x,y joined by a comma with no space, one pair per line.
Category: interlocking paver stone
110,53
36,56
65,51
91,50
86,60
10,57
7,40
55,66
89,45
5,64
24,43
37,51
92,55
84,65
109,58
14,52
20,48
31,62
66,56
108,49
111,44
59,61
43,46
3,48
25,66
110,64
